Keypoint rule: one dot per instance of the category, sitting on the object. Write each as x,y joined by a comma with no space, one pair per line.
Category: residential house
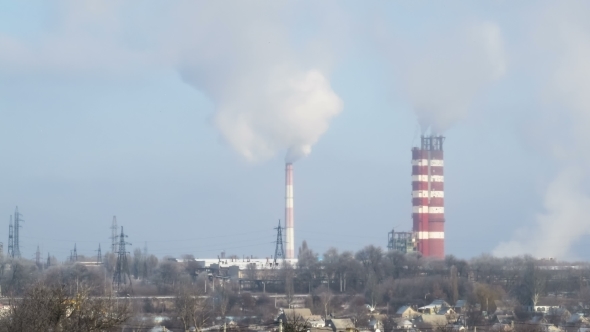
504,307
376,322
320,329
460,306
434,307
432,320
403,323
407,312
578,319
341,325
289,315
316,321
545,307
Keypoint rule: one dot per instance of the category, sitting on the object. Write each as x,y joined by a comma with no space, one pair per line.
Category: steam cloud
441,77
266,100
564,221
283,110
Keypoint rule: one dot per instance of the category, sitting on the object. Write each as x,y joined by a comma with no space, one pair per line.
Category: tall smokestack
428,196
289,211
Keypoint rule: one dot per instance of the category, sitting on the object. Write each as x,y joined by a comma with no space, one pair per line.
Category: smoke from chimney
266,100
441,76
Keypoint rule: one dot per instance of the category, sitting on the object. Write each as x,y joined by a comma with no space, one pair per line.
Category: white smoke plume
265,100
564,36
440,77
268,99
562,223
282,110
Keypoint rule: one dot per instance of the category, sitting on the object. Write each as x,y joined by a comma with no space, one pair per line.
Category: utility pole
10,239
279,251
122,267
114,236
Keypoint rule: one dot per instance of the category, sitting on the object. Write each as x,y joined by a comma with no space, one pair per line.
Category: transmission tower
10,239
122,267
114,236
279,251
98,256
17,226
74,254
48,260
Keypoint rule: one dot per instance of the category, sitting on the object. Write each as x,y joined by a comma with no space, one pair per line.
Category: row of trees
368,276
56,307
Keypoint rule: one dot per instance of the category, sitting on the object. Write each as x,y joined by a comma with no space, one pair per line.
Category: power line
151,241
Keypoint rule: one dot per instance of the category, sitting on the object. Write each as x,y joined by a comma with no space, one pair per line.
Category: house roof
445,311
436,304
538,320
576,318
504,319
404,323
304,313
434,320
460,304
341,323
403,309
552,328
504,305
320,329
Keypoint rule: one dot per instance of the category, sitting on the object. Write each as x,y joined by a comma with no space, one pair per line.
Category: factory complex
427,235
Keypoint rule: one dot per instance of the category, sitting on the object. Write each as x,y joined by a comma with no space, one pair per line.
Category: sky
178,117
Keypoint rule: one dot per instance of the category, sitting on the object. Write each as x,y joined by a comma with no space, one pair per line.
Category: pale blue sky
97,121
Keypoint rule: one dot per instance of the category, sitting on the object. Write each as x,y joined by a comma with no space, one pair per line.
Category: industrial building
404,242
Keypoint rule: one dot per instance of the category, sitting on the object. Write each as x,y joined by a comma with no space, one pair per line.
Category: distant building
407,312
460,306
434,307
302,315
433,320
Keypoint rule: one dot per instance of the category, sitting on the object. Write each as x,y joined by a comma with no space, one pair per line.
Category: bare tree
191,308
289,275
454,284
325,296
532,283
44,308
295,324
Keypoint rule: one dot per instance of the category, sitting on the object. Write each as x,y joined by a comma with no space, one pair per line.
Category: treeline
370,276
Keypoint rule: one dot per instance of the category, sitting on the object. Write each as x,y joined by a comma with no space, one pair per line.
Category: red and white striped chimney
289,230
428,196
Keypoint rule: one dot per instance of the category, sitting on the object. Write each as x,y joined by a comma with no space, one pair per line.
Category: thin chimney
289,219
